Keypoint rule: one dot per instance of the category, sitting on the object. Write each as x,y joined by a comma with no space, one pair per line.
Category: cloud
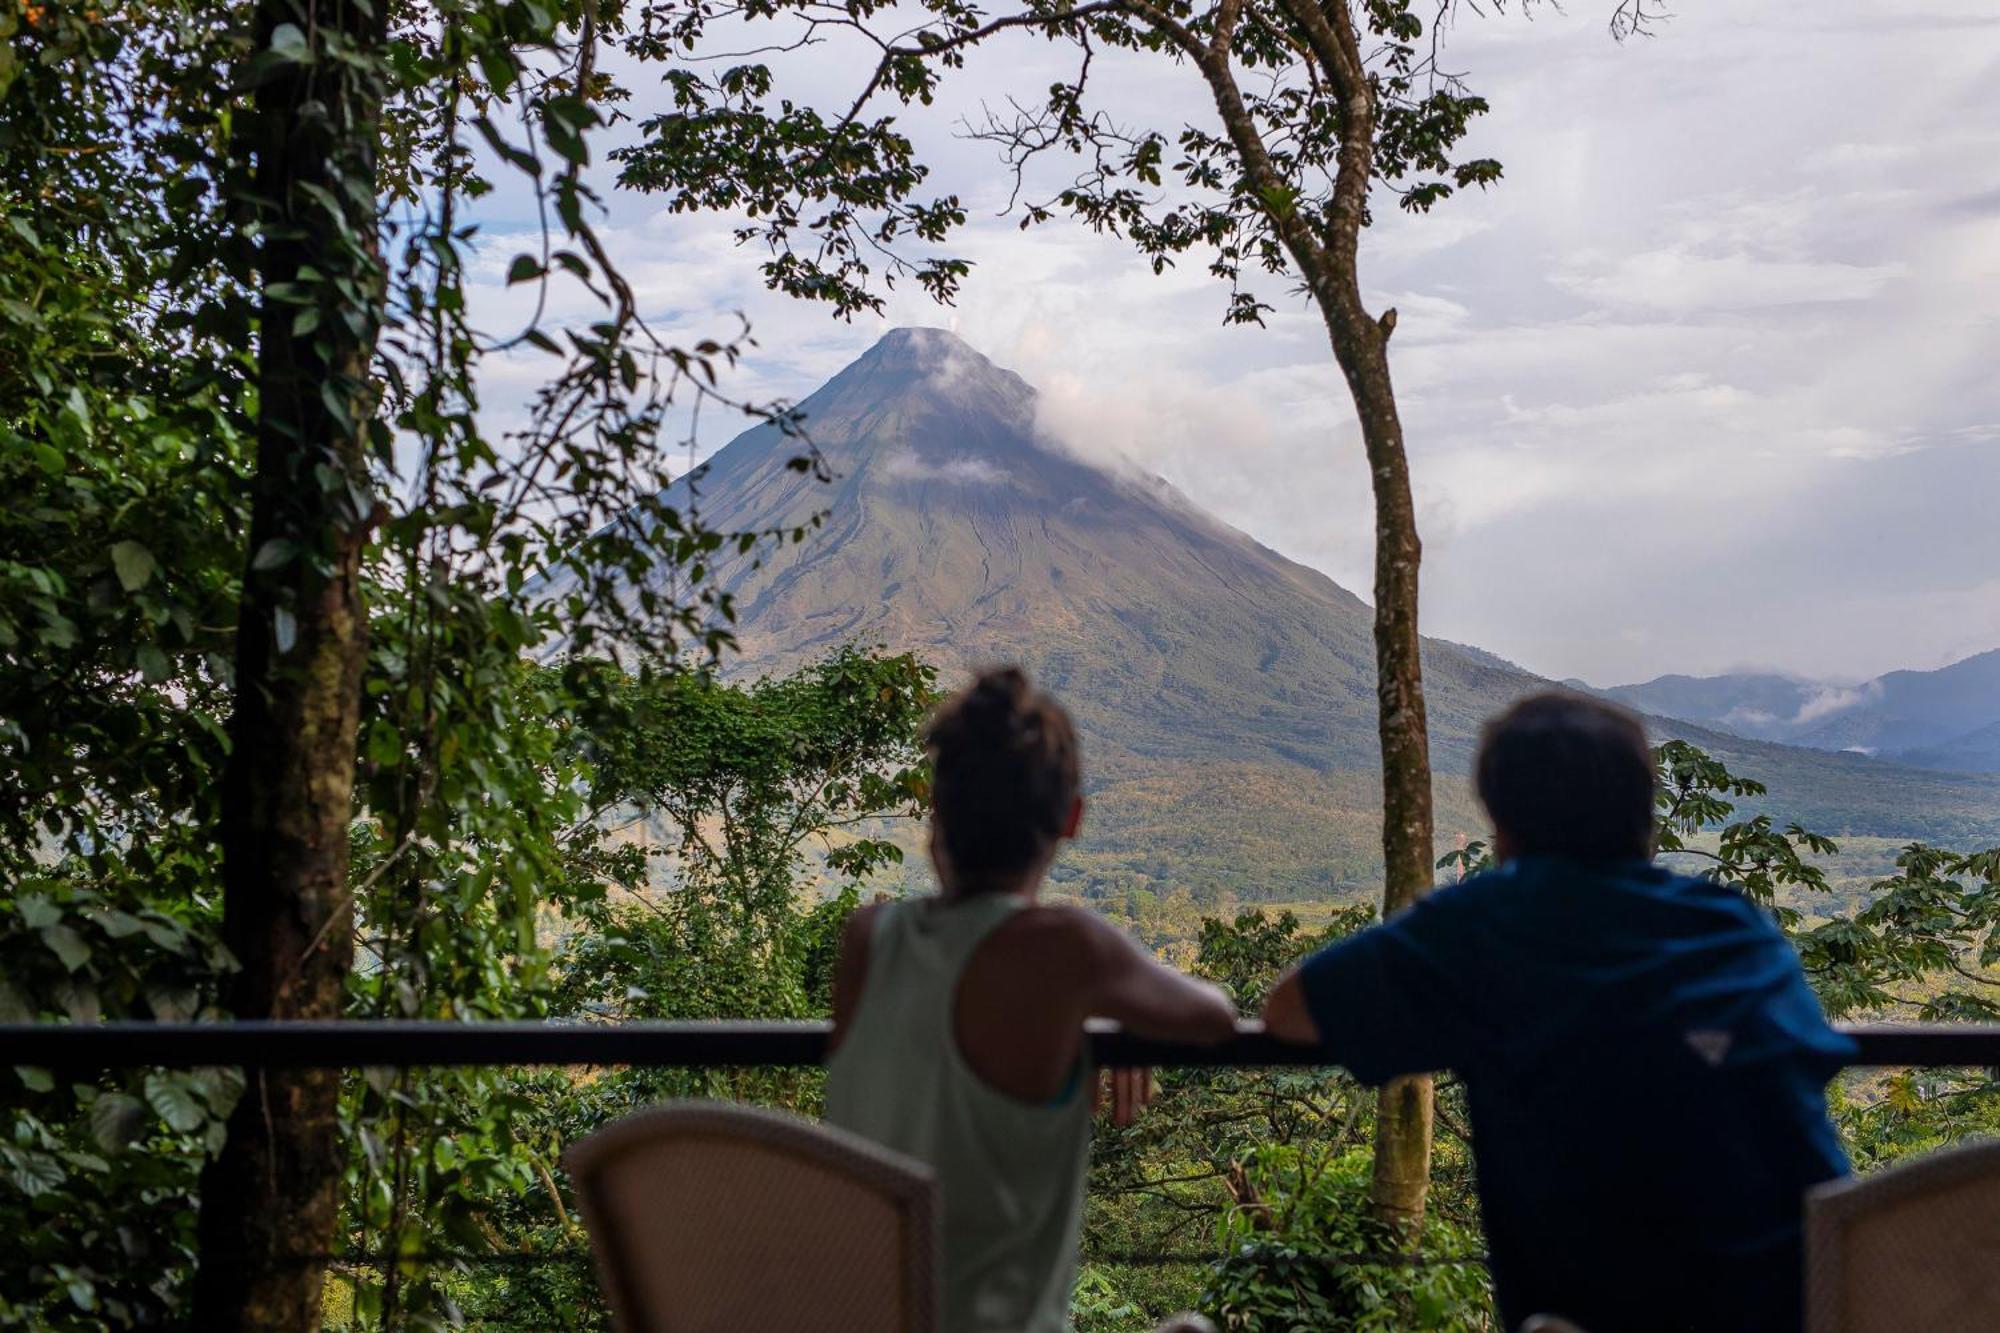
1745,716
1826,702
1679,280
964,470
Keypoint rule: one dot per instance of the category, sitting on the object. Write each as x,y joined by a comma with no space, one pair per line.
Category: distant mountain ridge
1225,693
1944,719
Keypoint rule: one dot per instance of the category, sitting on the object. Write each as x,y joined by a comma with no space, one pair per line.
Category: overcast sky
1711,379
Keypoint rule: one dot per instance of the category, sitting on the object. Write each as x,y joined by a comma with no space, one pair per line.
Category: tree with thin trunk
390,578
307,145
1321,109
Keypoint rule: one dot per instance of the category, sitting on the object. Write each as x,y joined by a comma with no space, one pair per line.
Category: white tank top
1011,1175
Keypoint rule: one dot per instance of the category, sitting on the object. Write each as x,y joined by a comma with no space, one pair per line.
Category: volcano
954,529
1225,693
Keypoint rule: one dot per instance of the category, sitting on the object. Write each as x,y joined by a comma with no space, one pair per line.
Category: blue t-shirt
1645,1069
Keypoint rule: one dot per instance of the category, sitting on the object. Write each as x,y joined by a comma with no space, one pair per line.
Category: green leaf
170,1098
285,628
172,1004
116,1118
35,1173
36,911
273,554
117,924
134,563
33,1079
288,41
79,1000
153,664
67,945
164,931
525,268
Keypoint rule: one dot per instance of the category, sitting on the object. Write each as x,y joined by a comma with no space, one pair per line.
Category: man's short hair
1564,774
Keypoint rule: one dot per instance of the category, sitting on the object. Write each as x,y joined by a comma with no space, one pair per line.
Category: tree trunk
1326,252
270,1197
1404,1106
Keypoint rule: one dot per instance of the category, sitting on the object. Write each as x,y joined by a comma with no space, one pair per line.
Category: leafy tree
1317,109
1295,1266
762,791
266,597
763,786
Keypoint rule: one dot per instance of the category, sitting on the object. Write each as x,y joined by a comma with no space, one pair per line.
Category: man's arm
1285,1014
1392,999
1143,995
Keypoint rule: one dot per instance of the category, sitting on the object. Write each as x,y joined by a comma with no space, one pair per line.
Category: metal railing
82,1048
714,1045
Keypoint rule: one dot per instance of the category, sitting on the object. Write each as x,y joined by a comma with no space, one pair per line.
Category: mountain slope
1225,693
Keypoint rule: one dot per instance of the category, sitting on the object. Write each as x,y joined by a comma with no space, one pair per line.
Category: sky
1710,380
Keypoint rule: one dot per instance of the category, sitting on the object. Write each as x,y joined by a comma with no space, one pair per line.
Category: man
1644,1064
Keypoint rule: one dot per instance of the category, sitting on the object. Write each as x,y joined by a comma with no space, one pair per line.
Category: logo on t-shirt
1711,1044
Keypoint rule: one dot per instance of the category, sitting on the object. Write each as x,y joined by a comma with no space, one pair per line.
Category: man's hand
1285,1014
1131,1092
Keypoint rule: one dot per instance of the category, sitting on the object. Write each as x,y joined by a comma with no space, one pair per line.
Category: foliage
119,556
735,925
746,780
837,195
79,940
1317,1259
746,775
135,260
1254,1165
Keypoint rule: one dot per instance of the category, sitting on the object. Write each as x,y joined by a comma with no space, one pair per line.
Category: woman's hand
1130,1090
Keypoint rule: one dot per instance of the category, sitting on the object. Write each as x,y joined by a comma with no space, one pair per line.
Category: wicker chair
1913,1247
723,1219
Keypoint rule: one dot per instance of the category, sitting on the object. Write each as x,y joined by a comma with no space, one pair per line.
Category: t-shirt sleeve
1392,999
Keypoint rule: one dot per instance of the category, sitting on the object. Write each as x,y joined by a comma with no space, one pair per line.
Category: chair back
708,1218
1916,1246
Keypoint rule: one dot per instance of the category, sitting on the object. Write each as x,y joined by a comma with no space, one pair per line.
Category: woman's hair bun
1005,773
995,710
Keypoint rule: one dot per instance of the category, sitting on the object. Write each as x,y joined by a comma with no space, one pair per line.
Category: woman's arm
850,971
1140,993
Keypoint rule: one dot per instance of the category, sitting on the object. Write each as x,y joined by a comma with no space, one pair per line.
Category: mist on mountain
1947,719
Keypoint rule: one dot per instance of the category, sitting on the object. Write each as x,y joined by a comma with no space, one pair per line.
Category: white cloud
1826,703
964,470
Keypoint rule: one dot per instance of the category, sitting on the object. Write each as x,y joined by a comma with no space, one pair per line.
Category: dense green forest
322,695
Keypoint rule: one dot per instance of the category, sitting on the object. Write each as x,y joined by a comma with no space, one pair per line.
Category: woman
959,1018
